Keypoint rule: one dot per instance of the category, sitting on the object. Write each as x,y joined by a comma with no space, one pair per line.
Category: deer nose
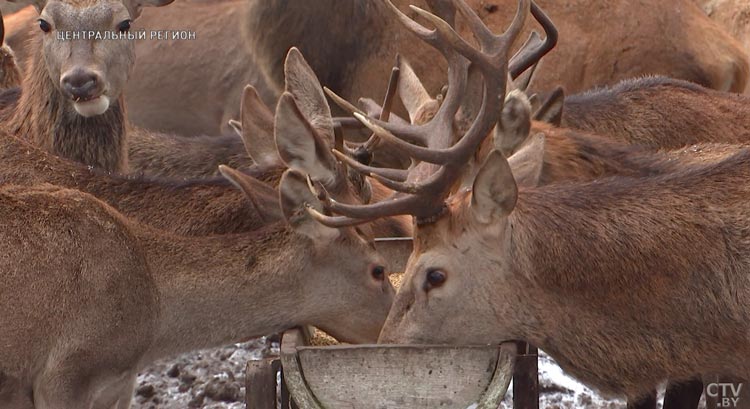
82,85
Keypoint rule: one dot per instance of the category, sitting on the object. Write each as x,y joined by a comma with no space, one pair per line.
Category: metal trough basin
396,376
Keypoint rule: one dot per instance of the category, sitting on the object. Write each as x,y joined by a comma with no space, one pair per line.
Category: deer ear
257,129
135,6
495,192
515,123
418,102
528,162
295,197
551,110
299,144
303,85
263,198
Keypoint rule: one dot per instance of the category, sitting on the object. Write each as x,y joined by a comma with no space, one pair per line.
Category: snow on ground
215,379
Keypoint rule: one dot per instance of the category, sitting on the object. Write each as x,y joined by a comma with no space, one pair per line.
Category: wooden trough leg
526,378
683,395
260,384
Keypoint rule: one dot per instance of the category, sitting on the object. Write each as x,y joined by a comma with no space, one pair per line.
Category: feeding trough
393,376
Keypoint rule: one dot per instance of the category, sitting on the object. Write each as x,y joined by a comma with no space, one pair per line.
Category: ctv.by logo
727,395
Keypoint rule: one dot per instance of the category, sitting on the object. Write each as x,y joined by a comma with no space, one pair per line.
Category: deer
118,294
681,43
542,264
729,14
656,112
582,26
206,206
73,89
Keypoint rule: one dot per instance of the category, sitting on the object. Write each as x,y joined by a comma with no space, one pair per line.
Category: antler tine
425,34
387,107
341,102
424,198
393,174
334,221
528,57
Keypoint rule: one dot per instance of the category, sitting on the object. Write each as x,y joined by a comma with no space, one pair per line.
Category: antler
527,57
426,187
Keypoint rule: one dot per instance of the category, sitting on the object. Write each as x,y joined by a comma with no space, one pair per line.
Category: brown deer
672,38
107,295
614,131
643,45
71,103
656,112
732,16
199,207
603,276
71,99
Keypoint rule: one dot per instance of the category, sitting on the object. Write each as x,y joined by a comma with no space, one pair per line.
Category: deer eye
378,273
45,26
124,26
434,279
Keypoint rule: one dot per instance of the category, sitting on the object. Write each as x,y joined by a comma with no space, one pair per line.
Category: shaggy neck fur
44,117
322,30
631,281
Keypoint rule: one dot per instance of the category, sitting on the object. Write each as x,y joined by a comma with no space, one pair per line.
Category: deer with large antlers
117,295
545,263
601,43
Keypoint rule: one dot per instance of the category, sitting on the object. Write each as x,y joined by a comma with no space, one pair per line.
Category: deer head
467,224
86,50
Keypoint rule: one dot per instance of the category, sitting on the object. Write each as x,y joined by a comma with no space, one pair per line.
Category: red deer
196,207
71,98
644,45
105,296
732,16
544,264
656,112
682,42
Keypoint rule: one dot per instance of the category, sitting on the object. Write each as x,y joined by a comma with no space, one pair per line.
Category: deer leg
647,401
126,394
61,388
683,395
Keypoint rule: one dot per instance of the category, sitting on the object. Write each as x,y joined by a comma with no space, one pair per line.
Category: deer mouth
88,107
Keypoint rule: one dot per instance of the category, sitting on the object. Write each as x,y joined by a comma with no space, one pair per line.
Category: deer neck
601,281
44,117
218,290
272,27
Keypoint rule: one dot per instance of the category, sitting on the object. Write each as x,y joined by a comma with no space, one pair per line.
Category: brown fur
660,113
102,141
732,15
689,46
10,74
192,208
45,118
165,103
107,296
165,155
604,276
682,42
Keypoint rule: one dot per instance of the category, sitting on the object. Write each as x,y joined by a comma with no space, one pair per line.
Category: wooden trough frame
263,390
